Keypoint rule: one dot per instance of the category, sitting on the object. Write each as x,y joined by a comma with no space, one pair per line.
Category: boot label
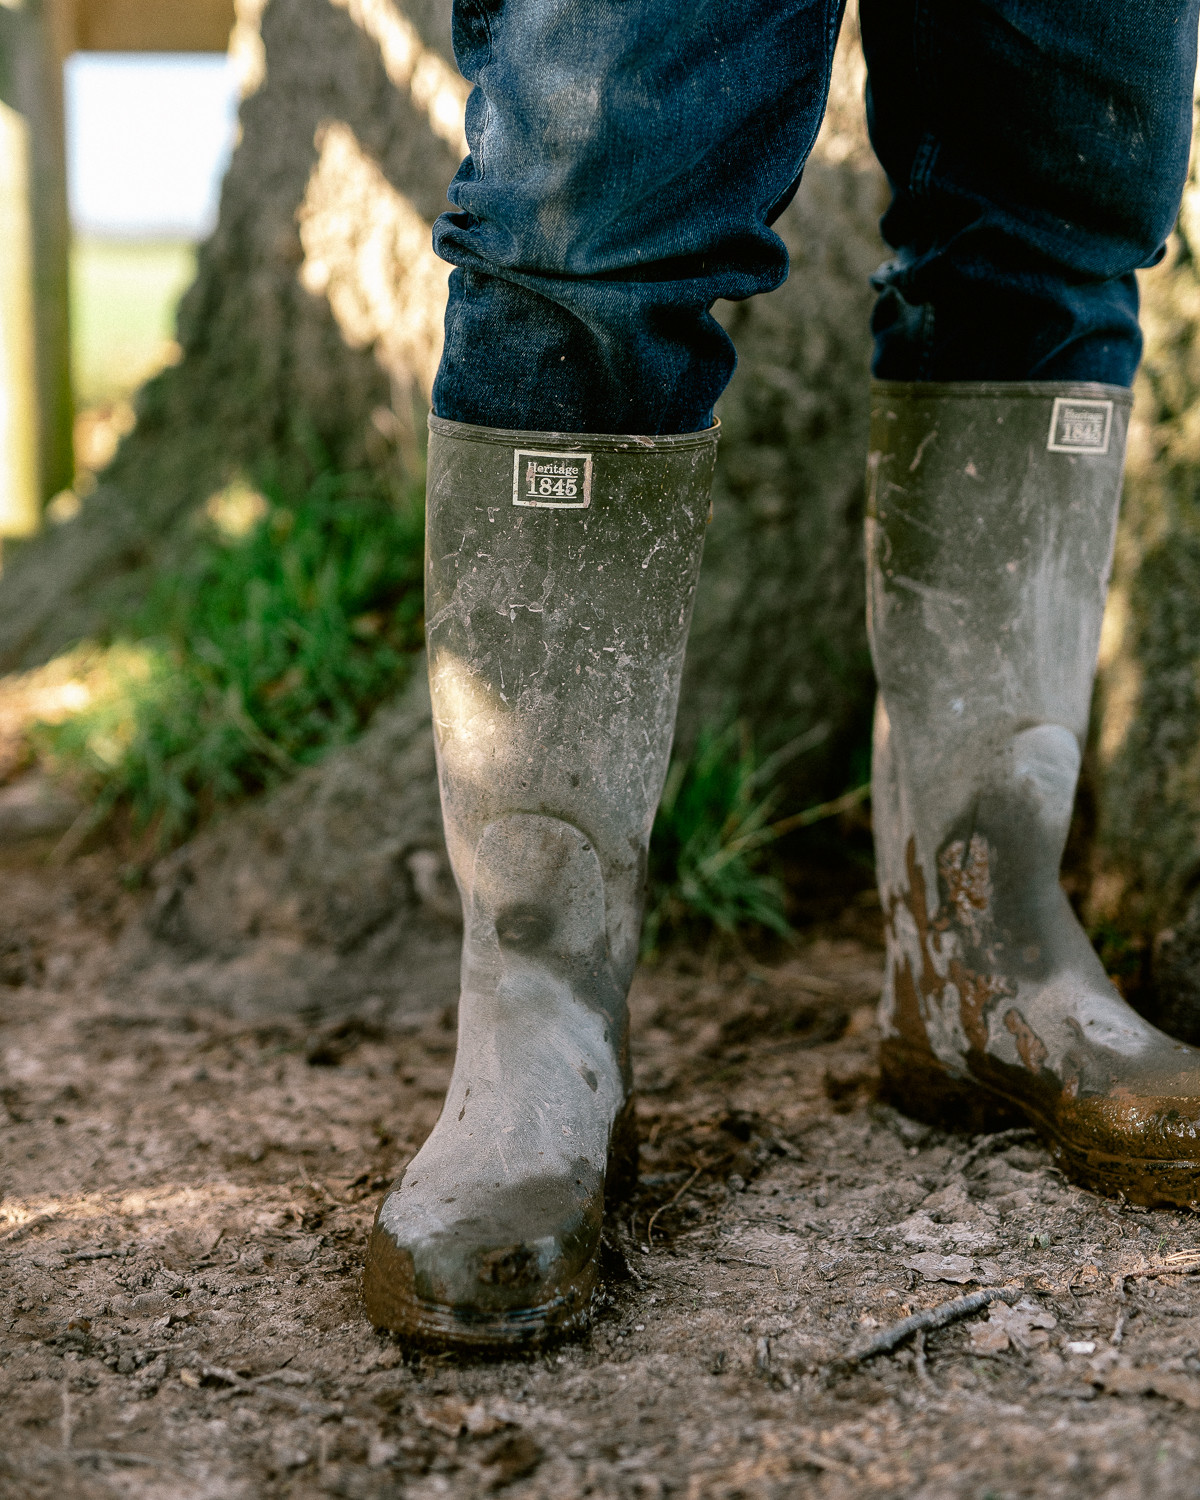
1078,425
552,481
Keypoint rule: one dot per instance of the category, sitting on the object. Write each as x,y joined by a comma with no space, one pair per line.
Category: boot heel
919,1087
621,1180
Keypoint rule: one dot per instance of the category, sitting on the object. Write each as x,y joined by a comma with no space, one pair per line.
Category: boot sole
392,1301
917,1088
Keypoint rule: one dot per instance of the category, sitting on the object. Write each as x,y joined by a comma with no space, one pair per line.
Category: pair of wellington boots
560,574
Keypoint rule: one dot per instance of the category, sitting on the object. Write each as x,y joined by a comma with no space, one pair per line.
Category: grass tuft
295,615
708,849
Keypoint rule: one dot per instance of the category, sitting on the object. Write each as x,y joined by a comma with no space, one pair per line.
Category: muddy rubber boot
560,574
991,516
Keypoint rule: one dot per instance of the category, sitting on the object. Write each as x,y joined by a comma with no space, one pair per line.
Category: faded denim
629,156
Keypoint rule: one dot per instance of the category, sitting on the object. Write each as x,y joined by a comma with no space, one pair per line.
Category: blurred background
148,139
118,122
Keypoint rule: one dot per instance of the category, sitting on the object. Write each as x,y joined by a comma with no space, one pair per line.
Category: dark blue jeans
628,158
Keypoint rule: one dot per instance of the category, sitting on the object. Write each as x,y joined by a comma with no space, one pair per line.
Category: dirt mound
330,894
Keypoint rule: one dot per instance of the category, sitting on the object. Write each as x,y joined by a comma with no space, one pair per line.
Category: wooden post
150,25
36,218
20,483
36,407
52,252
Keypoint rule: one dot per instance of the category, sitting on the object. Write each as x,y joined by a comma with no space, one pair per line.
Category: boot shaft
560,574
991,517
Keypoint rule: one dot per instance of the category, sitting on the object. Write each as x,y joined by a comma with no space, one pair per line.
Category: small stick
845,803
96,1455
740,1260
923,1374
613,1242
933,1317
301,1404
991,1143
674,1200
1182,1263
816,1460
28,1227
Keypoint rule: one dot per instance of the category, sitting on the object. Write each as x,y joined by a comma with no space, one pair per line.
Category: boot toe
487,1266
1144,1146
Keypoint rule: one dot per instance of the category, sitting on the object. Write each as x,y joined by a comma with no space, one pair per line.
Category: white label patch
1079,426
554,481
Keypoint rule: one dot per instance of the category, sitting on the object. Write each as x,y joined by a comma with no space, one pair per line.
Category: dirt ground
186,1198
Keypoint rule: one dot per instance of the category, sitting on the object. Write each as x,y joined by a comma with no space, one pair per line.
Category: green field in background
123,299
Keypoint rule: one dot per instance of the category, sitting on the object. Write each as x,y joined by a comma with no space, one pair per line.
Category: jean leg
1037,154
626,162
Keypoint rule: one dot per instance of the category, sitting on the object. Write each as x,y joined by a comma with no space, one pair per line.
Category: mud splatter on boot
991,516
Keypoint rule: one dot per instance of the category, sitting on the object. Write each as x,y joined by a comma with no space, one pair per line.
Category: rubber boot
560,574
991,517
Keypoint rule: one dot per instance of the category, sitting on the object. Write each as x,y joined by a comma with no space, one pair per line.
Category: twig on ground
98,1455
933,1317
991,1143
28,1227
923,1374
254,1388
86,823
662,1207
816,1460
740,1260
612,1241
1181,1263
845,803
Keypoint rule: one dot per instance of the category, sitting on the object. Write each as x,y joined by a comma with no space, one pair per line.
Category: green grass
295,615
711,847
709,844
123,300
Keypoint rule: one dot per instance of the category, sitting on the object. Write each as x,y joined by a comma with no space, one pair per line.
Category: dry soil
186,1197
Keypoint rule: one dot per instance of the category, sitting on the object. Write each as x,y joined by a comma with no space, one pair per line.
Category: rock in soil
187,1194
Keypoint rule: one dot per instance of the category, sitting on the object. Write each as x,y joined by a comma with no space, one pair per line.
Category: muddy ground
186,1198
